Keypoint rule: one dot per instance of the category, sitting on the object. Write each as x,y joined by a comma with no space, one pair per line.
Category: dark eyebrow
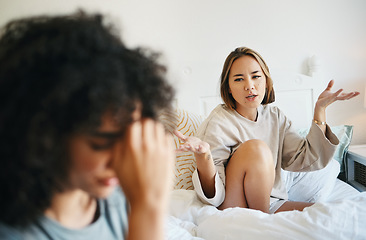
108,135
238,75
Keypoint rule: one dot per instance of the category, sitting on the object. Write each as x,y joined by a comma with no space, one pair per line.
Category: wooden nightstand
356,166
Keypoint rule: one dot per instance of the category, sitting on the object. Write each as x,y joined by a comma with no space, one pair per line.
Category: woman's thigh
249,176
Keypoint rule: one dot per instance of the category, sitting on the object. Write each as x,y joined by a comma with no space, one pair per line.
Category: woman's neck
248,113
73,209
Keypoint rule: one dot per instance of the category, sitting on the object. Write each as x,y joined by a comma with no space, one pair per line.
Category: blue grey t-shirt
111,224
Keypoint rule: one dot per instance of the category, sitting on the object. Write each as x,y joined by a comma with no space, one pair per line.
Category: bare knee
254,145
250,175
254,151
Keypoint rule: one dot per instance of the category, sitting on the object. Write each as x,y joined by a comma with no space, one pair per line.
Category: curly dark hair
58,76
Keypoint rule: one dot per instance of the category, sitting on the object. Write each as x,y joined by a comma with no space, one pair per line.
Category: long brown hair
224,84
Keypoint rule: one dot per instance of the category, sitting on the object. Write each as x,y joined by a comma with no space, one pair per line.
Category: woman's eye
256,76
101,146
238,79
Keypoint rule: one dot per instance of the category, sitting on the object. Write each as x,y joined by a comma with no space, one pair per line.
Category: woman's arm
205,165
325,99
143,161
299,154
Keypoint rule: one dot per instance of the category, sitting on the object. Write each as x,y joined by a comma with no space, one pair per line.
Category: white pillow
185,162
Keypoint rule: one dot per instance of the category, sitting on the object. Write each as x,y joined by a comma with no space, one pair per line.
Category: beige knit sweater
225,130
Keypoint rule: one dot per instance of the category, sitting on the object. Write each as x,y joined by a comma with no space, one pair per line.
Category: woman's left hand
327,97
143,161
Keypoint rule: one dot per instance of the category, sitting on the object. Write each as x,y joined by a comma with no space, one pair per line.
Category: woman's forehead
247,63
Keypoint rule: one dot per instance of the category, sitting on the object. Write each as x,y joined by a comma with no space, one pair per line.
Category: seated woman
246,142
78,117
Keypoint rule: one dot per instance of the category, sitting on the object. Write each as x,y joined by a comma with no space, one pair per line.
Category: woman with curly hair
78,117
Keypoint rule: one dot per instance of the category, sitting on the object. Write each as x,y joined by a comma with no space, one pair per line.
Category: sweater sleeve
214,131
220,154
307,154
219,188
221,131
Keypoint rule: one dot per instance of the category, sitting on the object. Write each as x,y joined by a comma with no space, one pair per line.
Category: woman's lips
109,181
251,97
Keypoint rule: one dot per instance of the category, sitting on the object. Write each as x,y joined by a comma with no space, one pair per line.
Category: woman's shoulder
221,112
113,216
7,232
221,117
275,115
272,110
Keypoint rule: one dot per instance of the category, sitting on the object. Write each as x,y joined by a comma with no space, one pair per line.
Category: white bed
344,218
339,211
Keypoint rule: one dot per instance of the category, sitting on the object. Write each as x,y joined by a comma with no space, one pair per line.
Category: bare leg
250,176
290,206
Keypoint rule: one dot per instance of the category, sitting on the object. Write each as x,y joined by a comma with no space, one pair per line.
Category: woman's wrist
203,156
149,216
319,122
319,113
320,117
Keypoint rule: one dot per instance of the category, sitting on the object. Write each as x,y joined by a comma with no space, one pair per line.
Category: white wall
196,36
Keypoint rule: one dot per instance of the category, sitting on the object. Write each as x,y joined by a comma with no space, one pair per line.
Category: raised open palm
192,144
327,97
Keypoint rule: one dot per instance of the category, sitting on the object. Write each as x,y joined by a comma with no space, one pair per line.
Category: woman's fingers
143,160
330,85
191,144
347,96
327,97
180,135
184,148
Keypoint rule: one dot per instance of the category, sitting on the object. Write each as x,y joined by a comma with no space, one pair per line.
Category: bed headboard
296,94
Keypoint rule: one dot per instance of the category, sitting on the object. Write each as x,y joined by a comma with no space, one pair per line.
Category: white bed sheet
342,191
338,219
340,213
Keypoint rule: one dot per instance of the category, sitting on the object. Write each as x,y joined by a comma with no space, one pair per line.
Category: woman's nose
248,86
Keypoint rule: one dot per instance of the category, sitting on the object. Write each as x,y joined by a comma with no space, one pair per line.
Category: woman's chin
103,192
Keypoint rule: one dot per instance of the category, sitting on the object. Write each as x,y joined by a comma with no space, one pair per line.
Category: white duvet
191,219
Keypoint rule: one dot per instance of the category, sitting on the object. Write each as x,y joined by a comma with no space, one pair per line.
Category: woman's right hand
192,144
205,165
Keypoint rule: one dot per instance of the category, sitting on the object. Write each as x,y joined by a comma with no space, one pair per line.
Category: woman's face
247,84
91,156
